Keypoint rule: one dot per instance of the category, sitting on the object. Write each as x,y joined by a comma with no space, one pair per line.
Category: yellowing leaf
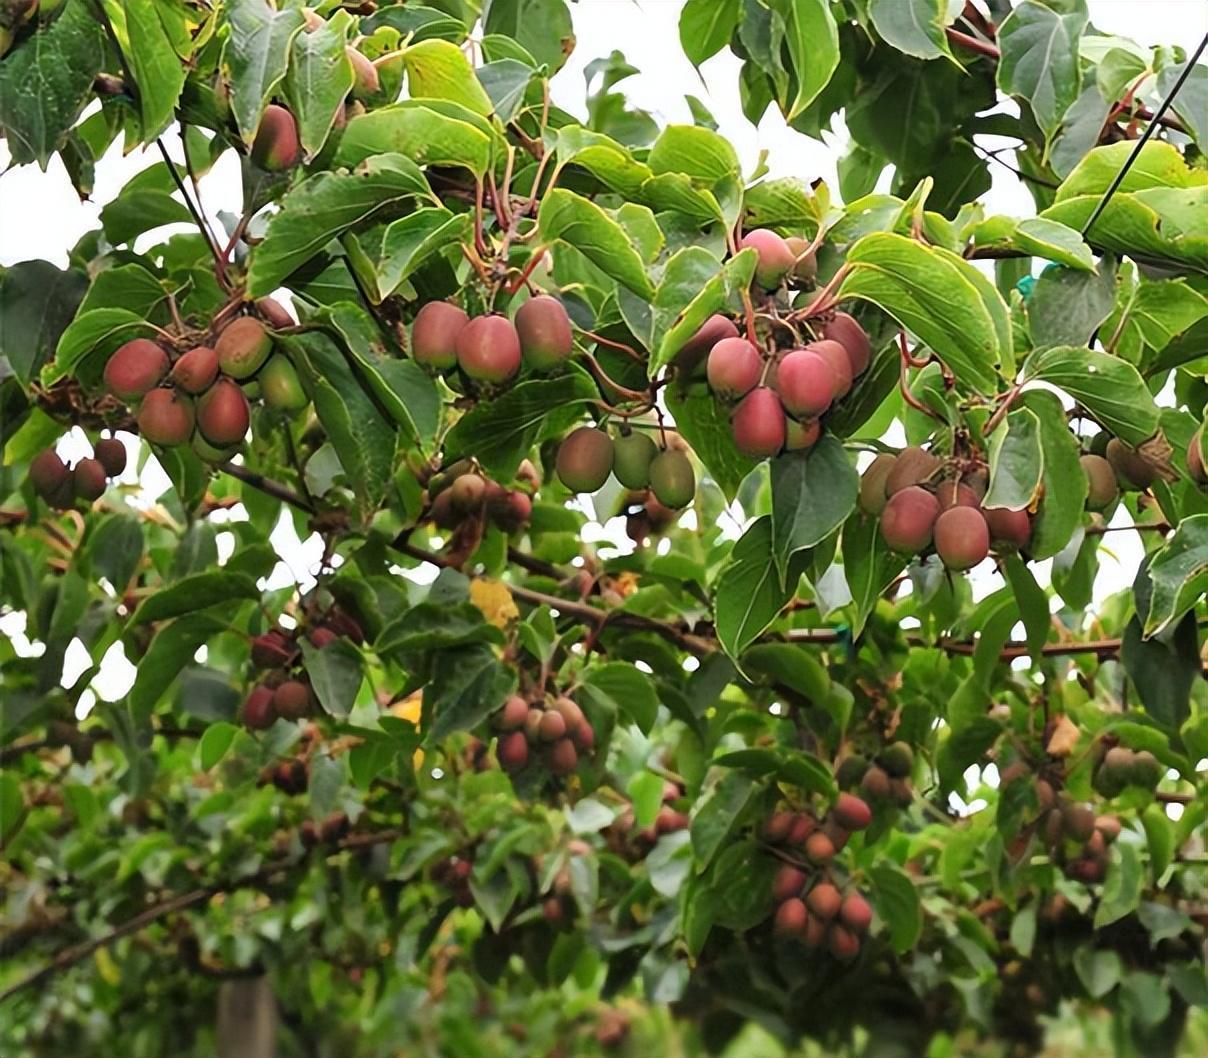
494,601
1063,739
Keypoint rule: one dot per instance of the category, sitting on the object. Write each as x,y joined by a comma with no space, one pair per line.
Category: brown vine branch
267,486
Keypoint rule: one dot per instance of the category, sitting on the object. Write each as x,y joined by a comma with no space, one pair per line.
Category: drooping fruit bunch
885,780
557,728
289,776
463,491
588,455
1122,767
62,486
630,841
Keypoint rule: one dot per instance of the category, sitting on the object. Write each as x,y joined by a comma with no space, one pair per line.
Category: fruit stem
606,379
906,361
1002,409
479,242
824,299
629,349
523,278
198,219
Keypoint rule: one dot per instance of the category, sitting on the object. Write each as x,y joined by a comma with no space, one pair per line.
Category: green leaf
170,651
1065,485
37,302
150,57
705,425
505,81
195,592
590,230
335,673
1039,59
1098,969
1032,601
1158,165
813,42
1111,389
438,69
1122,887
935,295
1191,104
1016,462
46,80
1039,237
693,287
748,594
626,689
812,493
214,743
384,257
705,27
319,77
791,665
716,814
542,27
256,57
1179,574
12,808
1067,306
324,206
869,566
1159,835
697,152
915,27
435,626
897,902
141,210
115,548
468,684
429,133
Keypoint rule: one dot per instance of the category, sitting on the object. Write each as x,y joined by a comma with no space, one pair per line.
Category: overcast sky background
41,217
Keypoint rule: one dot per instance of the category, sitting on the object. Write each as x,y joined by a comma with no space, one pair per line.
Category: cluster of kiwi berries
196,393
883,780
625,837
62,486
490,349
453,872
289,776
463,491
588,455
809,905
559,727
1122,767
285,691
331,828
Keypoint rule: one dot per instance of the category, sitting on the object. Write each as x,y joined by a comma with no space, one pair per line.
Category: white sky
41,217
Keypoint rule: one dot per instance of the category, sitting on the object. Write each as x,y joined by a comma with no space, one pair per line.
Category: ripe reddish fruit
563,758
806,383
1102,489
913,466
1078,821
242,347
488,349
274,313
951,492
823,900
819,848
1131,467
758,424
532,724
111,454
258,711
733,368
584,737
223,413
806,266
668,820
1008,528
775,259
962,538
791,917
777,827
787,883
1109,827
584,459
798,436
434,334
513,714
908,520
632,454
276,146
855,913
321,636
696,348
875,783
510,510
848,333
872,483
135,369
852,812
272,650
48,473
544,331
815,933
1196,457
569,710
165,417
553,726
803,826
842,943
196,370
837,360
467,493
292,699
88,480
672,479
512,751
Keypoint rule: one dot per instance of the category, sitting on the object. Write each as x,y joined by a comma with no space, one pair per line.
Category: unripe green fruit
488,349
840,364
1098,443
274,313
962,538
1008,528
872,483
242,347
914,466
952,492
875,783
1146,770
276,146
544,331
48,473
135,369
212,453
733,368
1078,821
1195,458
563,757
223,413
897,759
584,459
366,82
280,385
672,479
165,417
758,424
467,493
851,770
88,479
292,699
842,943
908,520
851,811
798,436
632,454
824,900
1132,469
791,917
196,370
855,913
1101,482
848,333
513,751
111,454
806,383
434,334
258,711
775,259
806,266
787,883
695,349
